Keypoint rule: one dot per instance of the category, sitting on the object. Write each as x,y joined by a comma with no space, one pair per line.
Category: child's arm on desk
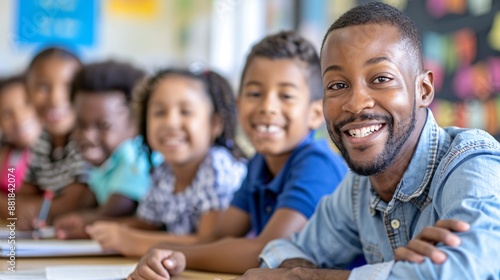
73,225
72,197
30,199
229,255
135,242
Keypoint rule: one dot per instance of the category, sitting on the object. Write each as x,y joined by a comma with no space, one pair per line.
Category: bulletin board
64,22
461,45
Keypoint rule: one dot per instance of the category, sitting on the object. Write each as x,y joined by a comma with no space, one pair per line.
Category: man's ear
426,88
217,126
316,117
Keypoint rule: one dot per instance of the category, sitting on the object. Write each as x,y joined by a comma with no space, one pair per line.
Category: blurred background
461,39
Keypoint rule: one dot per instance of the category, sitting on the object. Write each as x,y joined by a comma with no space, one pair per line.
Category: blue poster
67,22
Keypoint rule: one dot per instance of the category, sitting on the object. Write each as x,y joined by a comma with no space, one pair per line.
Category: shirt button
395,224
269,209
372,211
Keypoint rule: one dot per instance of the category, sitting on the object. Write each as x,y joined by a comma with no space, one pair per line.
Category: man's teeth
268,128
365,131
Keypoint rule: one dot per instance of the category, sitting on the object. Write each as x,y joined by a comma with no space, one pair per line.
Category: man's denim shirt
453,174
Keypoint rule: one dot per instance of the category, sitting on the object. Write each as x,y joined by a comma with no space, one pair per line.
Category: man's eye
380,80
337,86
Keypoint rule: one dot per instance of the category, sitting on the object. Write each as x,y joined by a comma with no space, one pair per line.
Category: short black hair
56,52
9,81
219,92
106,76
290,45
381,13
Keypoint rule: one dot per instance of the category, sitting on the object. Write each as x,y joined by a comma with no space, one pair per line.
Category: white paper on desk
49,248
89,272
47,232
38,274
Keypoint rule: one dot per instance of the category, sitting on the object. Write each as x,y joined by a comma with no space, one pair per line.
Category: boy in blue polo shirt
105,134
279,108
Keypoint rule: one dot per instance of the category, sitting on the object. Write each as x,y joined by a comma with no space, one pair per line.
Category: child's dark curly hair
219,91
107,76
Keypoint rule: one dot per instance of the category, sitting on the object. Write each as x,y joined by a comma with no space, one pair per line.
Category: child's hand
424,244
27,213
111,236
70,226
159,264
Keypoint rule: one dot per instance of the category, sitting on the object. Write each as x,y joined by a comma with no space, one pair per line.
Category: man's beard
391,148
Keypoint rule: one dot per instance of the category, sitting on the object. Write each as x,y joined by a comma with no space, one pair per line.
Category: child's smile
274,105
172,142
268,131
180,120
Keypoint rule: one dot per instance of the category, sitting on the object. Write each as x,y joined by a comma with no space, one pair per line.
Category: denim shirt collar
416,180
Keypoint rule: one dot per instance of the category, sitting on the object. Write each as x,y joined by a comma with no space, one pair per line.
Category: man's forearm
303,273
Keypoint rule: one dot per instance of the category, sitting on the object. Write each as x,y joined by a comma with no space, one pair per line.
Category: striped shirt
217,178
50,170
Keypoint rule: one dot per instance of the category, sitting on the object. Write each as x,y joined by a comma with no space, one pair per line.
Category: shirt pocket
372,252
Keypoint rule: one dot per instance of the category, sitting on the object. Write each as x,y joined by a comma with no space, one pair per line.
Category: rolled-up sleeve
278,251
328,240
379,271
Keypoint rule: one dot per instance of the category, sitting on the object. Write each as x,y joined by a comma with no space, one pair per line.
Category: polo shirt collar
262,177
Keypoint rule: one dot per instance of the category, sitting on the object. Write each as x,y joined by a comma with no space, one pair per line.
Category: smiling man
408,175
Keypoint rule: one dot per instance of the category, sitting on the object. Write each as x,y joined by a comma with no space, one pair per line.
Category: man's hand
70,226
423,245
295,273
291,263
265,274
159,264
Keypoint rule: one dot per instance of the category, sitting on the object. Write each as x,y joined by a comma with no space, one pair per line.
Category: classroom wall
160,33
147,38
152,33
219,33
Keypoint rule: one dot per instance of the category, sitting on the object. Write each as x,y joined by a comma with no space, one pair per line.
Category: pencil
44,211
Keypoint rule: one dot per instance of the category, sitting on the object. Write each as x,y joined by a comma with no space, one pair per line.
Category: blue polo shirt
312,171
